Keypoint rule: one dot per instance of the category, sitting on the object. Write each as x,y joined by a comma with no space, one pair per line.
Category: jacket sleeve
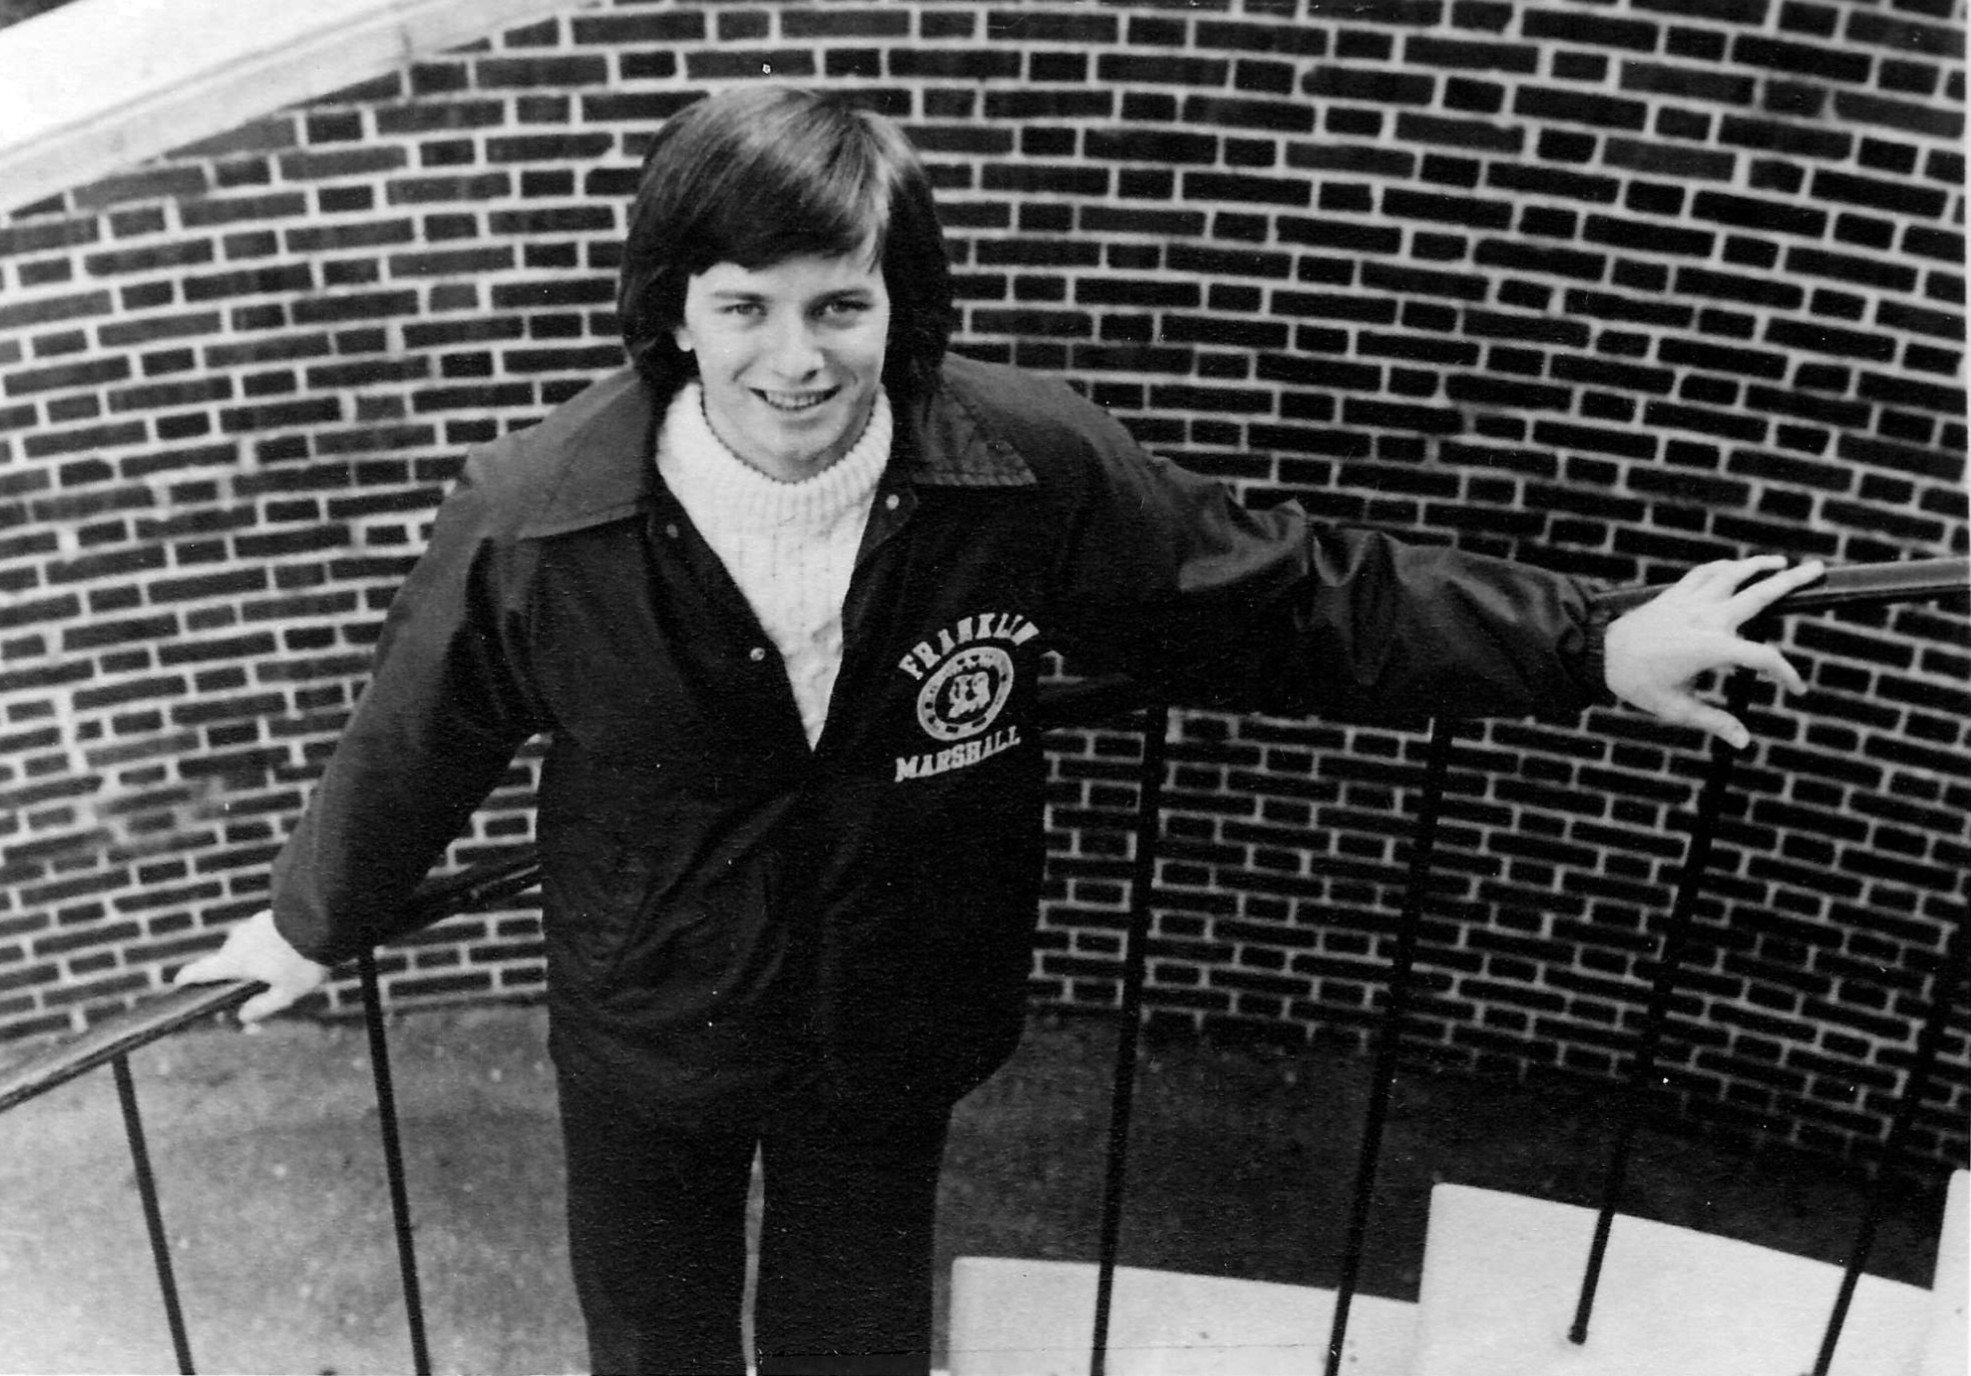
1165,576
444,711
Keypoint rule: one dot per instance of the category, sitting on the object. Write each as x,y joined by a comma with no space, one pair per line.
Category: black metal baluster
393,1162
1929,1041
140,1157
1122,1098
1389,1033
1642,1069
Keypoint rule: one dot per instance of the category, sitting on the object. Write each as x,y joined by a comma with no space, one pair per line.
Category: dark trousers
656,1227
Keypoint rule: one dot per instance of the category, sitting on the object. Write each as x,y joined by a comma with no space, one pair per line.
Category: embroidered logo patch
964,677
965,693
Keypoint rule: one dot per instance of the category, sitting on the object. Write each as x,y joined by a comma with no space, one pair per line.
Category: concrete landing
1035,1318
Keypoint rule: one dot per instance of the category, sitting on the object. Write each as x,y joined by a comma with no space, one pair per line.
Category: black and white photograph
1027,688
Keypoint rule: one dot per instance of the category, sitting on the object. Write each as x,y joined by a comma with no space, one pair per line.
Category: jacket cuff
305,941
1594,659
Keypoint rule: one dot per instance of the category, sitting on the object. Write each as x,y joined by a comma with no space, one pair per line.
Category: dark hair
760,174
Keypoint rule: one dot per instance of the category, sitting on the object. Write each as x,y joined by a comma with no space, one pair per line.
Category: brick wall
1611,289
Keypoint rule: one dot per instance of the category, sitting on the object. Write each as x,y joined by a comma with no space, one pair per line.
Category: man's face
791,357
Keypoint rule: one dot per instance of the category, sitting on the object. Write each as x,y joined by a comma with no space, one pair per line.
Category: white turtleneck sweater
789,546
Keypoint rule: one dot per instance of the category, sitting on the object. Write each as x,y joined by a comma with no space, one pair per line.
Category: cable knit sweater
789,546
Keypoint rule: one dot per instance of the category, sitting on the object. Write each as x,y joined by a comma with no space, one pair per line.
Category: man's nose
793,350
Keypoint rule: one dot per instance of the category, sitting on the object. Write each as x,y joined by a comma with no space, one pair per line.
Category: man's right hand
255,950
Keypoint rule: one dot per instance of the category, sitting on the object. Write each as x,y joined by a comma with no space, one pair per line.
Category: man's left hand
1655,651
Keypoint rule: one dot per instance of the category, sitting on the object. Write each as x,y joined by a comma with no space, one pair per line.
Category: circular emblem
968,690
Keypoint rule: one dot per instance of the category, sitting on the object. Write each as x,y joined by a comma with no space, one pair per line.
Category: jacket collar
601,445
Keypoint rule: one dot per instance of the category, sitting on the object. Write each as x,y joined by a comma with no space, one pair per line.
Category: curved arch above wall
102,84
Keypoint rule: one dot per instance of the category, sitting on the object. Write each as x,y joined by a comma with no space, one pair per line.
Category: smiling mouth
793,403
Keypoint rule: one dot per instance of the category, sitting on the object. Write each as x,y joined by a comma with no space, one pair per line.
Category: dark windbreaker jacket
724,906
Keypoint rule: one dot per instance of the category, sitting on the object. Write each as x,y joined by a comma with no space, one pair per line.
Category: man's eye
845,309
742,308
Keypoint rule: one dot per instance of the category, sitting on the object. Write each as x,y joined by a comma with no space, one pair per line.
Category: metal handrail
140,1161
158,1017
1122,1093
1063,705
115,1038
1945,988
118,1035
1906,580
1389,1031
1669,965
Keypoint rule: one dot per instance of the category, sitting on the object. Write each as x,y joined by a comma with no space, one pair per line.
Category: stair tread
1502,1275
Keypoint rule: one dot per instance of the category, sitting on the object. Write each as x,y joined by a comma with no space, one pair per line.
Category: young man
777,595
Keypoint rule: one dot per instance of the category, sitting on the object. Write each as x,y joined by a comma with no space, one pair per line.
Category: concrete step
1947,1340
1035,1318
1502,1274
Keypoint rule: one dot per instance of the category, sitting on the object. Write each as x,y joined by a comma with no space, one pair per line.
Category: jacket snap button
671,529
892,501
756,654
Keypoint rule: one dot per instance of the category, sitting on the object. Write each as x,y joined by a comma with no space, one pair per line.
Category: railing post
1929,1042
1389,1033
1122,1097
1642,1069
393,1162
133,1128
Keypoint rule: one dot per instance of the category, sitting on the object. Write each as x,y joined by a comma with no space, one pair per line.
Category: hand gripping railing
1855,585
1079,704
1874,584
116,1037
1869,584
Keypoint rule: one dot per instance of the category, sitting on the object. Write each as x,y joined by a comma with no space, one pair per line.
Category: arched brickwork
1612,289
